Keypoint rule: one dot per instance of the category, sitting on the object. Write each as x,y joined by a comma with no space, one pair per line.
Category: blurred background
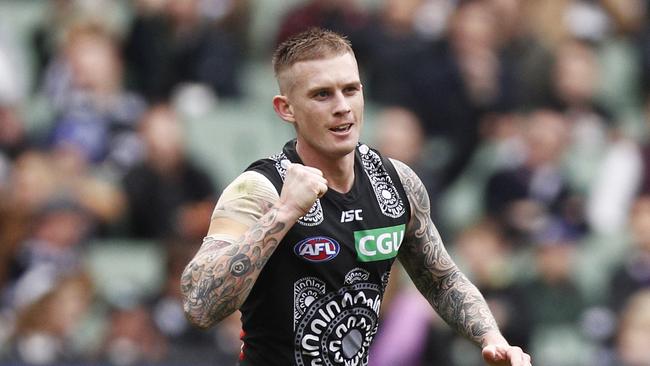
121,121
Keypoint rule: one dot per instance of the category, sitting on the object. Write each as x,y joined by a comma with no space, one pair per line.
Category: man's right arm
219,278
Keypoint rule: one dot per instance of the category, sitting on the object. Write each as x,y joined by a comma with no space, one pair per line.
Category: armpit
246,199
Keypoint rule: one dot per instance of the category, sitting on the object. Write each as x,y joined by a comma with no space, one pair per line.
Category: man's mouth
342,128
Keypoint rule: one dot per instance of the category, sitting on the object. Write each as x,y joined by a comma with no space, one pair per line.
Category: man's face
326,100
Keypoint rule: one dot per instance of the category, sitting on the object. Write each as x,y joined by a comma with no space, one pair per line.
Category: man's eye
322,94
350,90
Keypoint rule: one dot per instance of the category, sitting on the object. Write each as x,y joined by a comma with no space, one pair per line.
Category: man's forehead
310,73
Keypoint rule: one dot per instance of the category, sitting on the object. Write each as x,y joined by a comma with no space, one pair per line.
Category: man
302,242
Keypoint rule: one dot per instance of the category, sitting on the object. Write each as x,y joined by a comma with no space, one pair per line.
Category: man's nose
342,105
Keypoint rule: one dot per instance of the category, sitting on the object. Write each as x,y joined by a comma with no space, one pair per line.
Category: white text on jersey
351,215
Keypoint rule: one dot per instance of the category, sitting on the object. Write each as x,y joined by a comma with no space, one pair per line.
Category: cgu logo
317,249
378,244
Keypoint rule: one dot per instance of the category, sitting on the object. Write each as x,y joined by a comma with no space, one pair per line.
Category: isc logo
351,215
317,249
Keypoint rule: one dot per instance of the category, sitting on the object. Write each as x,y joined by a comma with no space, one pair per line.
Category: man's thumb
490,353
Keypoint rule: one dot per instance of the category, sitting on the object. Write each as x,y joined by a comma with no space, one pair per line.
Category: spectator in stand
51,251
31,184
59,16
552,297
132,338
343,16
523,53
386,49
38,178
521,197
168,195
399,135
456,81
488,258
575,84
101,198
173,42
555,22
603,165
48,329
95,113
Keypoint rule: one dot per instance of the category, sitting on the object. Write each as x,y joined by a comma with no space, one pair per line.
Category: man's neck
339,172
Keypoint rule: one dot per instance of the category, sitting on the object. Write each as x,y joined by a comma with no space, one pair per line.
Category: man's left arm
447,289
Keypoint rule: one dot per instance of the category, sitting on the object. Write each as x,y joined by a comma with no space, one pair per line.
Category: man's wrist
288,213
493,337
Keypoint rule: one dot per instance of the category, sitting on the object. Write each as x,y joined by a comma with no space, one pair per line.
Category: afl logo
317,249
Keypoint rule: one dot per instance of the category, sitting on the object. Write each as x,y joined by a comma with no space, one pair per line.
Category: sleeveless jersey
316,301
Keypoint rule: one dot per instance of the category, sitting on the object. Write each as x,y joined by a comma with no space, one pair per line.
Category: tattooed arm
437,277
249,222
433,271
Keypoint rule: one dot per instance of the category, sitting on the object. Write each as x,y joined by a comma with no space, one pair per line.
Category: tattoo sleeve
219,278
434,273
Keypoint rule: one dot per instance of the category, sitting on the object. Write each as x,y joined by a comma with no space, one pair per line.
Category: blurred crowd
527,121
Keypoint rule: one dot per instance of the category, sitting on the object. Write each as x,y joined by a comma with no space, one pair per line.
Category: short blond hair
312,44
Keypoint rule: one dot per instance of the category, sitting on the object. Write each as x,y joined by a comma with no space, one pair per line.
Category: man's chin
344,149
342,154
333,149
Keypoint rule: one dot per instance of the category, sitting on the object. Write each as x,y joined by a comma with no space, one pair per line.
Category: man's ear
283,109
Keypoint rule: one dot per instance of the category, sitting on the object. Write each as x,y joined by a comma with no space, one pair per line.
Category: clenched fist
303,185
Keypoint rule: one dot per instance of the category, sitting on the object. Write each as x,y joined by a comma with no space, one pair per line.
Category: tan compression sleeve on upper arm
246,198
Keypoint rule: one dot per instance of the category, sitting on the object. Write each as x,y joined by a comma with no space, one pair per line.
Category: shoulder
272,168
415,190
263,164
246,199
407,176
249,184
